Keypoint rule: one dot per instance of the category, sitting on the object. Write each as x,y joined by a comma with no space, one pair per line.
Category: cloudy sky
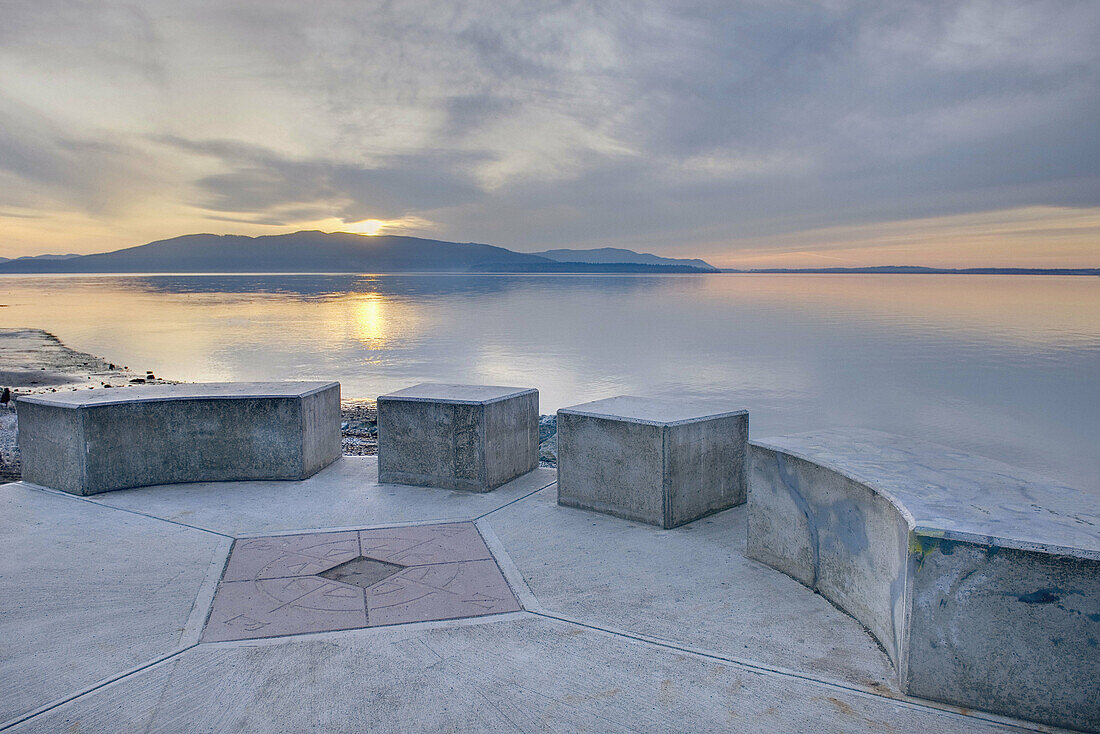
749,133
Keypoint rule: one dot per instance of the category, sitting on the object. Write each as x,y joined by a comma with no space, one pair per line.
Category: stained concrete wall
51,446
468,437
1013,630
320,426
836,536
1006,630
611,466
511,438
87,444
660,462
423,440
706,467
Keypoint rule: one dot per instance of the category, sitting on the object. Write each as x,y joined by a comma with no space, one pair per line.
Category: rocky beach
34,361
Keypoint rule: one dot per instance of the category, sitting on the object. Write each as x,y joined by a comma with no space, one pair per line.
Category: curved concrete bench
981,582
92,441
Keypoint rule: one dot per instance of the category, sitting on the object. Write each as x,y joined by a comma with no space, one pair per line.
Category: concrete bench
92,441
660,462
469,437
981,582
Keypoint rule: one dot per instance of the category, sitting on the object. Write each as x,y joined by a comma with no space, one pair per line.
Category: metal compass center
361,572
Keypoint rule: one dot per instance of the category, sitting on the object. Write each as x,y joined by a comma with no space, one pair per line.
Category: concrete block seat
656,461
468,437
981,582
91,441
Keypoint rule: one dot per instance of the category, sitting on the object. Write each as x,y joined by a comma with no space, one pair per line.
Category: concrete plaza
621,626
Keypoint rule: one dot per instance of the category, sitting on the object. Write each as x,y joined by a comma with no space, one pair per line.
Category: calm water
1004,366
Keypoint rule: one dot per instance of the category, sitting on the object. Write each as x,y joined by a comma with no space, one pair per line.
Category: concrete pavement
623,627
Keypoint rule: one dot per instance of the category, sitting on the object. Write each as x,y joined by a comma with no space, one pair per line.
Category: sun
368,227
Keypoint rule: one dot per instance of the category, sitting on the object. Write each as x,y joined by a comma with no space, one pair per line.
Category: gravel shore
359,427
34,361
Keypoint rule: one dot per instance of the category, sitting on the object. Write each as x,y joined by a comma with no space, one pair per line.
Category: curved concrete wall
1006,630
835,535
994,623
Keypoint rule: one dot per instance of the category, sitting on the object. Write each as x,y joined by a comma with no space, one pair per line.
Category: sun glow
369,227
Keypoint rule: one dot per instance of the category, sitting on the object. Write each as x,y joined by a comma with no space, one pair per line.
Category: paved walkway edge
773,671
95,687
204,600
511,572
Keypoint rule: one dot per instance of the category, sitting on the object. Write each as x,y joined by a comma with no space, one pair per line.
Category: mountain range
921,270
607,255
344,252
339,252
37,257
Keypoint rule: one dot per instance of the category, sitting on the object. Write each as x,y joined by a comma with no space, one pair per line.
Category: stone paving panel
288,606
440,591
290,555
422,544
319,582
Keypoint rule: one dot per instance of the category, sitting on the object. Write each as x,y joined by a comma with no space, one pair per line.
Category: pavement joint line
511,616
27,716
508,568
99,503
411,627
920,705
260,534
452,623
369,558
513,576
204,600
512,502
350,528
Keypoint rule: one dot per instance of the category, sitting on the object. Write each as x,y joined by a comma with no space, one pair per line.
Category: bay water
1004,366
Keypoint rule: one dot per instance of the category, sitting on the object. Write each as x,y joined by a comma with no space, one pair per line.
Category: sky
752,134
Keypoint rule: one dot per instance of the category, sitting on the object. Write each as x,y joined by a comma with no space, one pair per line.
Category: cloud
670,127
279,190
959,240
45,167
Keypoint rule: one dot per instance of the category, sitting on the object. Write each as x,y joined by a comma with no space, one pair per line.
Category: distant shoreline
315,252
900,270
914,270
